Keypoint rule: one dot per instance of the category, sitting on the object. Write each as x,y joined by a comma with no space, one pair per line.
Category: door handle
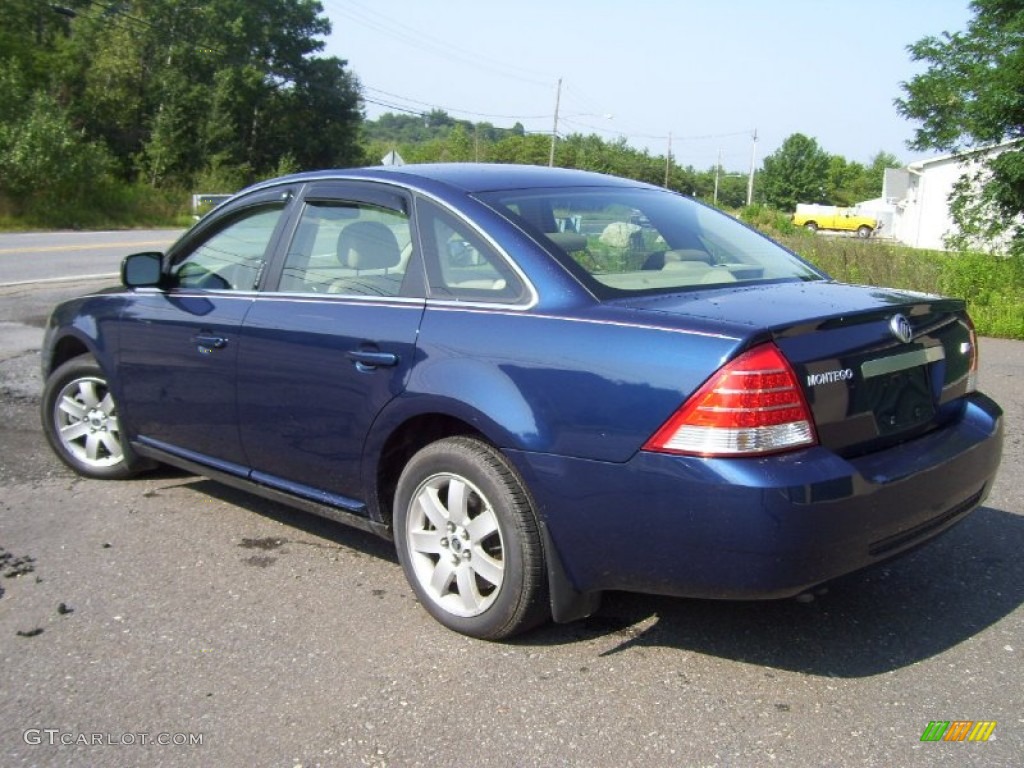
367,360
208,342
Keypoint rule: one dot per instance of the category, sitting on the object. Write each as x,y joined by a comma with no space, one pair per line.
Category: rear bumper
758,528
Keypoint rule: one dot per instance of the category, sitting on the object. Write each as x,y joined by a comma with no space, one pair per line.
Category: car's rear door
178,344
323,353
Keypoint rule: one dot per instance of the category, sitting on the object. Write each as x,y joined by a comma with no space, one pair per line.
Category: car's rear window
621,241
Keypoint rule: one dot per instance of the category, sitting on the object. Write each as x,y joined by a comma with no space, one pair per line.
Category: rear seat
570,242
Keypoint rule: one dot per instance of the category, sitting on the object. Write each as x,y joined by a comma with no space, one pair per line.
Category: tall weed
109,205
992,286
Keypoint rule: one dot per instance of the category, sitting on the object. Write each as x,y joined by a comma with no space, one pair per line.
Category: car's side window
232,258
463,265
348,248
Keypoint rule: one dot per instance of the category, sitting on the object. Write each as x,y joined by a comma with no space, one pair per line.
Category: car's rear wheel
80,420
468,540
864,231
811,226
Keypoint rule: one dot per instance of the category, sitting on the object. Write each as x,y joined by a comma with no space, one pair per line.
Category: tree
843,178
176,91
42,156
797,172
29,30
732,190
458,147
971,97
320,109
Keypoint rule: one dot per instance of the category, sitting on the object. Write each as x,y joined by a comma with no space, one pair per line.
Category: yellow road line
94,246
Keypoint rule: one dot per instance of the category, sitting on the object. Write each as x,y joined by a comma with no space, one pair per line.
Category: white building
919,196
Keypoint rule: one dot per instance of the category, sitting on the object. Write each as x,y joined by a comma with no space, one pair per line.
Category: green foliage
172,92
530,150
404,130
971,93
801,172
850,182
842,175
29,31
109,204
437,137
992,286
853,260
732,190
771,221
797,172
458,148
971,96
221,179
874,174
43,159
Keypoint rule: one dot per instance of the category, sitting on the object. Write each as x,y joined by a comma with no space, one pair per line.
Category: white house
919,196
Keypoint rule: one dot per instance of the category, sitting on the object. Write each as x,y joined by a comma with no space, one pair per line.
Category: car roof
472,177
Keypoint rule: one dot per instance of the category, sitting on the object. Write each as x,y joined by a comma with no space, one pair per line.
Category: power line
396,29
571,121
390,27
393,106
417,38
453,109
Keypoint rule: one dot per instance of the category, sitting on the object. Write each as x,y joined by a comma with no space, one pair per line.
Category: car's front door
323,354
179,344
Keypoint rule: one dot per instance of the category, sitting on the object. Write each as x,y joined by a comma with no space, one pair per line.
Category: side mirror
141,270
462,254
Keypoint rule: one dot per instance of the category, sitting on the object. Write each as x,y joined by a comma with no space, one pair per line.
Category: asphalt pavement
31,257
241,633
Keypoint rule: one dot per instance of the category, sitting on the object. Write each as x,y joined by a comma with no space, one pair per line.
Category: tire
468,540
80,421
864,231
811,226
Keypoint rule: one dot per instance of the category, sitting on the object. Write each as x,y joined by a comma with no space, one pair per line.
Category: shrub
992,286
772,222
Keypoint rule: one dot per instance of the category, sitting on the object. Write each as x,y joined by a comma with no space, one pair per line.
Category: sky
707,73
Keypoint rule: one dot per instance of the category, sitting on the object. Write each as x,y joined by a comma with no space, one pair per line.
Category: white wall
922,217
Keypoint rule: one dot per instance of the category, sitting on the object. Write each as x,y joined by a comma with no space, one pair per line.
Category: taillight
752,405
972,371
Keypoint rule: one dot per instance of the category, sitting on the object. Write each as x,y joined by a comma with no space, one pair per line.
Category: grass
109,206
992,286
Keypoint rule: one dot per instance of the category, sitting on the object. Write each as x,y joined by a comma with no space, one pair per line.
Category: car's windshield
620,240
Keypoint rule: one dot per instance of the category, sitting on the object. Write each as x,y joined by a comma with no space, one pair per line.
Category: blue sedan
542,384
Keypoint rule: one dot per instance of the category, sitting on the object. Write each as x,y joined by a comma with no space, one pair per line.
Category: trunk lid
877,366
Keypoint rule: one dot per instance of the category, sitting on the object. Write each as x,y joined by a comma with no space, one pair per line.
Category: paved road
279,639
33,256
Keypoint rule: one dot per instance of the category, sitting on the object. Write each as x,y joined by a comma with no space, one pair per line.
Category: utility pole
554,128
750,181
718,170
668,158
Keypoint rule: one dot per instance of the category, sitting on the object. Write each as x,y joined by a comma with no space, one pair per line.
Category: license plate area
897,390
900,400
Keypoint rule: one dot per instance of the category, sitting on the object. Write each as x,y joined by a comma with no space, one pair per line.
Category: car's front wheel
81,422
468,540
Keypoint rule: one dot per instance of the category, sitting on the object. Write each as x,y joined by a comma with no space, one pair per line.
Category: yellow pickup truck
815,217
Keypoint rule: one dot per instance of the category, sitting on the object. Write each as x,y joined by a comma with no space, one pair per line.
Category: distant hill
437,124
